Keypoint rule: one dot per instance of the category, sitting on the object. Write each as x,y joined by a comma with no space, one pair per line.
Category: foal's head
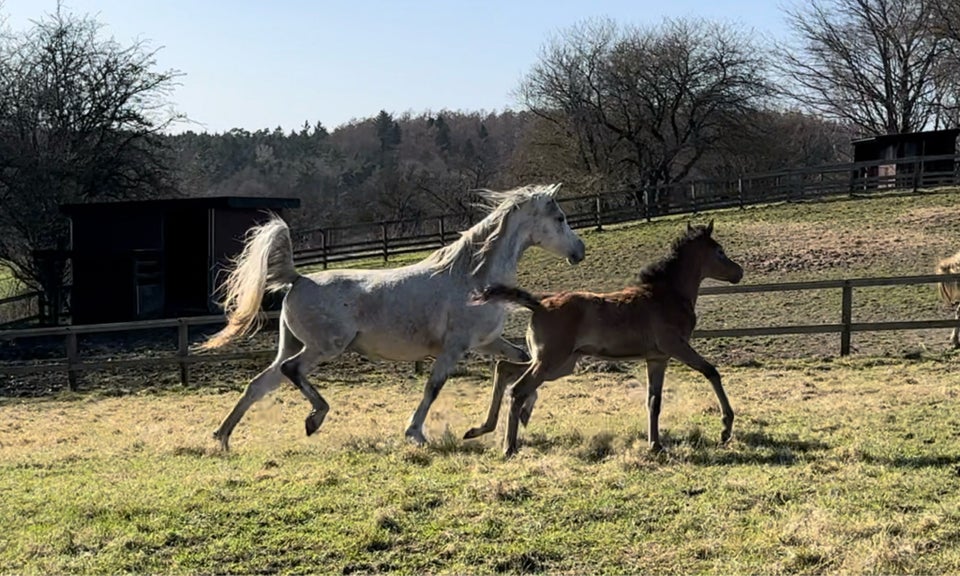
714,262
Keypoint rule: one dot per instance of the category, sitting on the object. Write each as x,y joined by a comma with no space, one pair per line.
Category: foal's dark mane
664,268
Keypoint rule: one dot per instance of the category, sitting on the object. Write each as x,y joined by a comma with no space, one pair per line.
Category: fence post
323,248
73,357
443,235
740,192
183,350
846,317
916,175
646,203
693,196
599,215
386,246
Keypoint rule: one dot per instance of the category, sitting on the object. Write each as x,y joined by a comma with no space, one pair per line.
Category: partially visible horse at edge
403,314
650,321
950,292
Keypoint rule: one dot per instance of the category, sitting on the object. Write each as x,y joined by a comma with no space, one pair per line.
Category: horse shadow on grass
748,447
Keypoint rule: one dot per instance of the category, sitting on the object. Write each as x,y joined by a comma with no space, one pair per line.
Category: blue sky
261,64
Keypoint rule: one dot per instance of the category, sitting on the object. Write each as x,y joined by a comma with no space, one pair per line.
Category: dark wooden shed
905,148
136,260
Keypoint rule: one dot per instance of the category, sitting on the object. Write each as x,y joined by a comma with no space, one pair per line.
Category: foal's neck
686,282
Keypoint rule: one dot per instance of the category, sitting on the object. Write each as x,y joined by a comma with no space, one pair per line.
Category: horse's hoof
509,451
415,436
313,422
474,433
657,448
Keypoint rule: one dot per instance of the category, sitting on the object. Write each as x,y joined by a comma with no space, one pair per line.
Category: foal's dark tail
501,293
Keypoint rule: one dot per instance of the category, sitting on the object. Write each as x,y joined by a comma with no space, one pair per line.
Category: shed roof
883,139
197,203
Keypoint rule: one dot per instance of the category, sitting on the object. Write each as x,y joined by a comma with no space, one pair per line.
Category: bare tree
80,118
644,105
874,63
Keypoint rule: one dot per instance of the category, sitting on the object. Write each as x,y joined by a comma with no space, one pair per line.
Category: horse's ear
710,227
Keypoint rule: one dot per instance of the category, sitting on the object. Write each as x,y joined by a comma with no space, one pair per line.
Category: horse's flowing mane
476,245
665,268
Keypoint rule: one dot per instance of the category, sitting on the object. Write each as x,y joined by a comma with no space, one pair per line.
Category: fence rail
329,245
73,364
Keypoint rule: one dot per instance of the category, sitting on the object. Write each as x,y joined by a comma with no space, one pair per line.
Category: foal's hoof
224,440
416,436
474,433
313,422
525,414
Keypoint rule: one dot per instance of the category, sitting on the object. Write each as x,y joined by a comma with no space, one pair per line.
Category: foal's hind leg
264,383
504,373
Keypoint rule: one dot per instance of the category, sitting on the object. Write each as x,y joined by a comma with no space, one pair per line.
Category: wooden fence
73,364
329,245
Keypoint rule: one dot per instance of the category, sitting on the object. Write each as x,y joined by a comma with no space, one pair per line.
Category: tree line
606,106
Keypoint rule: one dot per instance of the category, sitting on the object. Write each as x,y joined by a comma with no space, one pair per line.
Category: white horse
404,314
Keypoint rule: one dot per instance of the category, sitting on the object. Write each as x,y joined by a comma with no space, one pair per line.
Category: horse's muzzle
578,254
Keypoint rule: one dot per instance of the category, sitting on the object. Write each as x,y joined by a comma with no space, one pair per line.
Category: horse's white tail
266,264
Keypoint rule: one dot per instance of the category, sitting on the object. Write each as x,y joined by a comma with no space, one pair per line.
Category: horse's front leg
503,347
442,367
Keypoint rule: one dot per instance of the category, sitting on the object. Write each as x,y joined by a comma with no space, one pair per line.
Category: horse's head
547,225
715,262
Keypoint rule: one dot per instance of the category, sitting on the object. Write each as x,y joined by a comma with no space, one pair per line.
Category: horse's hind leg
296,369
264,383
955,335
504,373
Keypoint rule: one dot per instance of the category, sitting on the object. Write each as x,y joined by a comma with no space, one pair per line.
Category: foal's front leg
504,373
656,369
682,351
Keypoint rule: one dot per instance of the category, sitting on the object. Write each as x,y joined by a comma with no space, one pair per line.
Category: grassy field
837,465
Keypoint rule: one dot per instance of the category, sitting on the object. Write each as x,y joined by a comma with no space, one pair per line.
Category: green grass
844,467
837,465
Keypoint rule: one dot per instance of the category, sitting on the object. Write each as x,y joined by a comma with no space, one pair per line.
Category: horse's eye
561,218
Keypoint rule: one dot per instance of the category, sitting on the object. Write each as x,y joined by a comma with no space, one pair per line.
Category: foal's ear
710,227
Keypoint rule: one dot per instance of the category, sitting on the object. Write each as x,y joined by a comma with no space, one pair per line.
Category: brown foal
651,321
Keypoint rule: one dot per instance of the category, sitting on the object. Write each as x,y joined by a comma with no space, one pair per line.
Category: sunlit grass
850,467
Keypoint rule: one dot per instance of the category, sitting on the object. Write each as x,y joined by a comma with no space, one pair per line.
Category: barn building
135,260
902,150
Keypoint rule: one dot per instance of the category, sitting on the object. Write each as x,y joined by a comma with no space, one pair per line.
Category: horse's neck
501,268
